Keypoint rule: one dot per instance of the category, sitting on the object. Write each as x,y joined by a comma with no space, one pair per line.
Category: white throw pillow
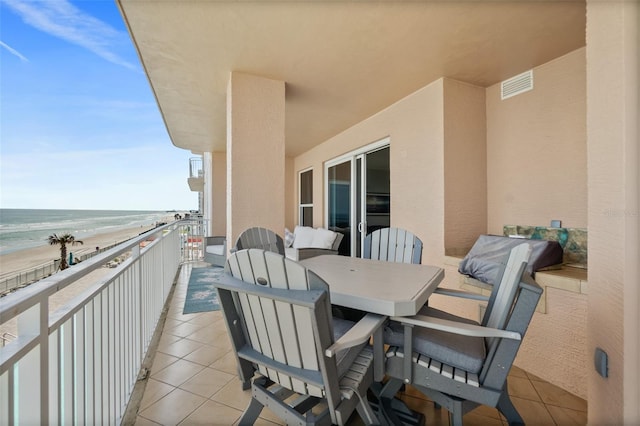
303,236
289,237
323,238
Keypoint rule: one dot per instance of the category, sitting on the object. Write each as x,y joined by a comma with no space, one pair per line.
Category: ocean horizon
27,228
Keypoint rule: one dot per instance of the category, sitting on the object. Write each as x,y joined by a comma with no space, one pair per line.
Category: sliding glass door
358,195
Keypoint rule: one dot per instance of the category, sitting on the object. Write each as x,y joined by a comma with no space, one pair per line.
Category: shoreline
31,258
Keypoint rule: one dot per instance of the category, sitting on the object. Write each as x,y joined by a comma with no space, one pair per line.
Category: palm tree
63,240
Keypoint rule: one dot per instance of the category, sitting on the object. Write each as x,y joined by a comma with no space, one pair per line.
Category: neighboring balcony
196,175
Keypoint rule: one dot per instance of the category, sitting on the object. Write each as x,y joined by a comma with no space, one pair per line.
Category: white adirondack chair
259,238
278,315
390,245
460,364
393,245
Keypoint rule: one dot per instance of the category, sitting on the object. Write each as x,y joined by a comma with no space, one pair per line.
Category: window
306,198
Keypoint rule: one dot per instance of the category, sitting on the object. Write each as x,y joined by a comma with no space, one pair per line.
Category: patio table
385,288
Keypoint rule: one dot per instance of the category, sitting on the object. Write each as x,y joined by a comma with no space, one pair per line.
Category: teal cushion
464,352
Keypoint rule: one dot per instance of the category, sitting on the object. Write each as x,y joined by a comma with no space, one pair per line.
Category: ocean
26,228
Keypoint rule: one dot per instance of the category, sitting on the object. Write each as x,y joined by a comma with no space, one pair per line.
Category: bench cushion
307,237
219,250
491,252
303,236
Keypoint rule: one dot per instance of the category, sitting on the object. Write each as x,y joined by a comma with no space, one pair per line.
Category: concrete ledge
566,278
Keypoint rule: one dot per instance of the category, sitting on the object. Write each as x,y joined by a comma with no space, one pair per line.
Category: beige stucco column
207,204
613,43
255,154
218,194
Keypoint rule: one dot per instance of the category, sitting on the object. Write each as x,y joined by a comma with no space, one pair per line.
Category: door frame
352,157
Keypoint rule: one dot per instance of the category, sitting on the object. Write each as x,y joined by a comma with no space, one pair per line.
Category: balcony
193,380
196,175
122,351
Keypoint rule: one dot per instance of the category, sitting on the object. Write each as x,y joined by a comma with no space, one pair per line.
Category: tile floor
193,381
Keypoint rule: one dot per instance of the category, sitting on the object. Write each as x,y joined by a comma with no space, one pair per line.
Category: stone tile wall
572,240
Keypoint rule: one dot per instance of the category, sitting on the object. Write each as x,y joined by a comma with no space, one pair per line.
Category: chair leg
506,407
251,414
390,389
455,415
366,413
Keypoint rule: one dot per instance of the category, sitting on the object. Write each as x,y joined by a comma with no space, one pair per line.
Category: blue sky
79,126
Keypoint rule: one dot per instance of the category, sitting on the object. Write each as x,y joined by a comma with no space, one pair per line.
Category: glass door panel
358,196
378,191
339,203
360,178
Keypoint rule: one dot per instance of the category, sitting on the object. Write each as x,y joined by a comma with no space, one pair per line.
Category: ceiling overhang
341,61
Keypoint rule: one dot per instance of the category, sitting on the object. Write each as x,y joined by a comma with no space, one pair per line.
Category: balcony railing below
79,364
196,175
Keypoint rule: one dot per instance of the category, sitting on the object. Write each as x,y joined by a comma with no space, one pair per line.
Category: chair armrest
337,241
215,241
306,253
457,327
459,293
359,333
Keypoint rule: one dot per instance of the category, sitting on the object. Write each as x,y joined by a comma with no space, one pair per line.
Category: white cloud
62,19
13,51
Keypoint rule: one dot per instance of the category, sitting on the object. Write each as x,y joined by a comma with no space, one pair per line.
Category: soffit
342,61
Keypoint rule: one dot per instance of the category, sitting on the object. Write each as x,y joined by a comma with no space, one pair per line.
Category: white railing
195,167
30,275
78,365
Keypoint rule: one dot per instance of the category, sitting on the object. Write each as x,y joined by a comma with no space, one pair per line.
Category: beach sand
27,259
30,258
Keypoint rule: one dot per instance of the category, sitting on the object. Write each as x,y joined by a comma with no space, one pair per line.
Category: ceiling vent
515,85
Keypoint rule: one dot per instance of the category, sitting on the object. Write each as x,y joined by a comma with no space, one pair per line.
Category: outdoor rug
201,294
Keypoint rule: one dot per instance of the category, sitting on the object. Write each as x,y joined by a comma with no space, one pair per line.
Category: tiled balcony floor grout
193,381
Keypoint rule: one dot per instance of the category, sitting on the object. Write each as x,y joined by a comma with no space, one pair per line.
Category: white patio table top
385,288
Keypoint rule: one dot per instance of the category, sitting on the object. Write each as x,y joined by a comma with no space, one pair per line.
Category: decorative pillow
303,236
288,237
323,239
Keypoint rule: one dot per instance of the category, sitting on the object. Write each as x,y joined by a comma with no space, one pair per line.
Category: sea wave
23,228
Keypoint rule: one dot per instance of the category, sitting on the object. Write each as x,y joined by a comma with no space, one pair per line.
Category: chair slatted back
260,238
502,352
393,245
502,301
506,290
290,334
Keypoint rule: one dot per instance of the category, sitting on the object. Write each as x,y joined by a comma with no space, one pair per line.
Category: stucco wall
415,128
537,171
255,154
536,149
465,165
219,196
555,347
428,169
290,197
613,43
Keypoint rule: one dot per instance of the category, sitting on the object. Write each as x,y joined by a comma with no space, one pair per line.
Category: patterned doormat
201,294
